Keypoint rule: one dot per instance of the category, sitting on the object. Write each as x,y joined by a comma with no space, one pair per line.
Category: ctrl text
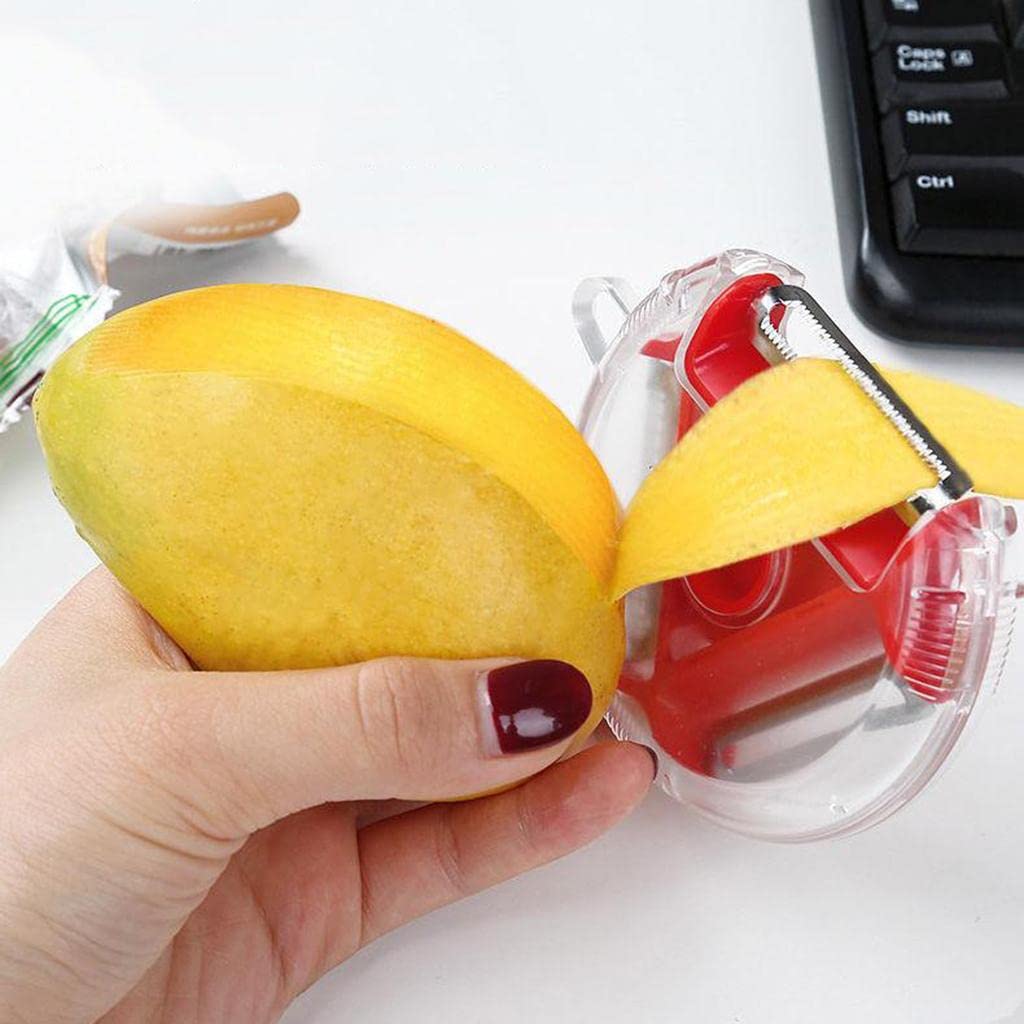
935,181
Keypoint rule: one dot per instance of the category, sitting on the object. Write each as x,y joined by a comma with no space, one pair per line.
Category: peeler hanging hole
586,313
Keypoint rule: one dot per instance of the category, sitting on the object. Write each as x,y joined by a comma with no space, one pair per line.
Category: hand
192,846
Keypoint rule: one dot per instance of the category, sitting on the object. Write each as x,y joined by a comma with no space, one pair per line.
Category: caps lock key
927,72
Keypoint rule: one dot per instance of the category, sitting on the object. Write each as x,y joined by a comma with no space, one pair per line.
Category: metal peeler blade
953,481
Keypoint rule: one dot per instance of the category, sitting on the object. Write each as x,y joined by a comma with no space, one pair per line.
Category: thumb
269,744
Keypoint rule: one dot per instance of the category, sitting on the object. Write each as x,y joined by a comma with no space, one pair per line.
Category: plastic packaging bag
54,288
46,302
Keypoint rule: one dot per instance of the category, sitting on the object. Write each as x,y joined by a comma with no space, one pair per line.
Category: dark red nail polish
536,703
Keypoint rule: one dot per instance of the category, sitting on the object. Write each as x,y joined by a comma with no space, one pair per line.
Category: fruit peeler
812,691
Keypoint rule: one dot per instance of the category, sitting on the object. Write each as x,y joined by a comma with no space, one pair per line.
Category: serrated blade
954,482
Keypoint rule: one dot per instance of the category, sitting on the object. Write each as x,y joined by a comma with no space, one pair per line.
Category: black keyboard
924,109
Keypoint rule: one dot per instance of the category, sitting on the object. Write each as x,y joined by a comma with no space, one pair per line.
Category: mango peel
798,452
289,477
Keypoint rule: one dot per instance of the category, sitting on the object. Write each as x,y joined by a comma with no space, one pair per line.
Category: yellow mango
288,477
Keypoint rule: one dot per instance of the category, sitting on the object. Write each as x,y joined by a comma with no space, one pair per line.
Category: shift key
925,72
960,210
952,129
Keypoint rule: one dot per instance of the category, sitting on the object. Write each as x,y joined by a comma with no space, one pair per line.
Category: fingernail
533,704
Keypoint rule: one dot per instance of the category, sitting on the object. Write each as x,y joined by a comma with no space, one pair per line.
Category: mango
288,477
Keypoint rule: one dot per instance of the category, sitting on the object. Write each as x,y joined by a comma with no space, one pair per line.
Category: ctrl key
958,210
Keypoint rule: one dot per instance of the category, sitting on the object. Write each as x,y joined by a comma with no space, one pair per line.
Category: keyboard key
1015,21
952,130
952,210
930,71
889,19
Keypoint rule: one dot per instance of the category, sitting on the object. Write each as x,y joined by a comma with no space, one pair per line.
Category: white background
474,160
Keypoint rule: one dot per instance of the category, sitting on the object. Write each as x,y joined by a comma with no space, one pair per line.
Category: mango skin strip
393,361
795,453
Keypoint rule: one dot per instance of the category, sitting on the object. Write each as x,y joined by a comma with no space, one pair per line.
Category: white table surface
474,161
